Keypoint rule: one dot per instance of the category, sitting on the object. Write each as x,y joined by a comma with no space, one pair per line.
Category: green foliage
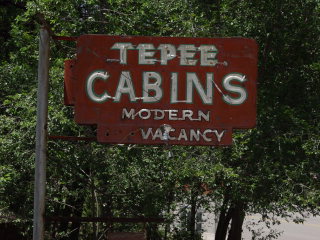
271,168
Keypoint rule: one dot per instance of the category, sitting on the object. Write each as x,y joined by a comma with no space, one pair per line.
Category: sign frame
163,90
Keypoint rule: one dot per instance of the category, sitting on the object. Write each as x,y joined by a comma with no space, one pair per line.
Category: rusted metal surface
68,88
163,90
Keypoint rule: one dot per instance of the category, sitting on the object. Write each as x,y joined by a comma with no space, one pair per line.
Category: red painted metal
95,53
68,88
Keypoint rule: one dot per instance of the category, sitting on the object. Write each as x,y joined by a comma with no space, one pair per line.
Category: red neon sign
163,90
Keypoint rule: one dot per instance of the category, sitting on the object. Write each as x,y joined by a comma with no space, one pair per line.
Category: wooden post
41,136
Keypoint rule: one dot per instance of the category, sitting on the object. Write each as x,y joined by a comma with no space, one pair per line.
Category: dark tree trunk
235,231
233,214
224,220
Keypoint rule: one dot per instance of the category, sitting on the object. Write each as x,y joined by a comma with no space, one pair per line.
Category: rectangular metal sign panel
163,90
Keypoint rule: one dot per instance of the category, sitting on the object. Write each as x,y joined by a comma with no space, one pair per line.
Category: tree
270,169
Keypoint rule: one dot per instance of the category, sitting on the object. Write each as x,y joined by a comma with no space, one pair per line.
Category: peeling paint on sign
163,90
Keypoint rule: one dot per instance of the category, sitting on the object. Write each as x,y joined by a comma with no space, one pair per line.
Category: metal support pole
41,136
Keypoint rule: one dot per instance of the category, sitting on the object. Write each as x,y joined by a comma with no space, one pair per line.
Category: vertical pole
41,136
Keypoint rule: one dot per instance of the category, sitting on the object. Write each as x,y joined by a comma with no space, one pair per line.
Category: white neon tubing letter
90,86
235,89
